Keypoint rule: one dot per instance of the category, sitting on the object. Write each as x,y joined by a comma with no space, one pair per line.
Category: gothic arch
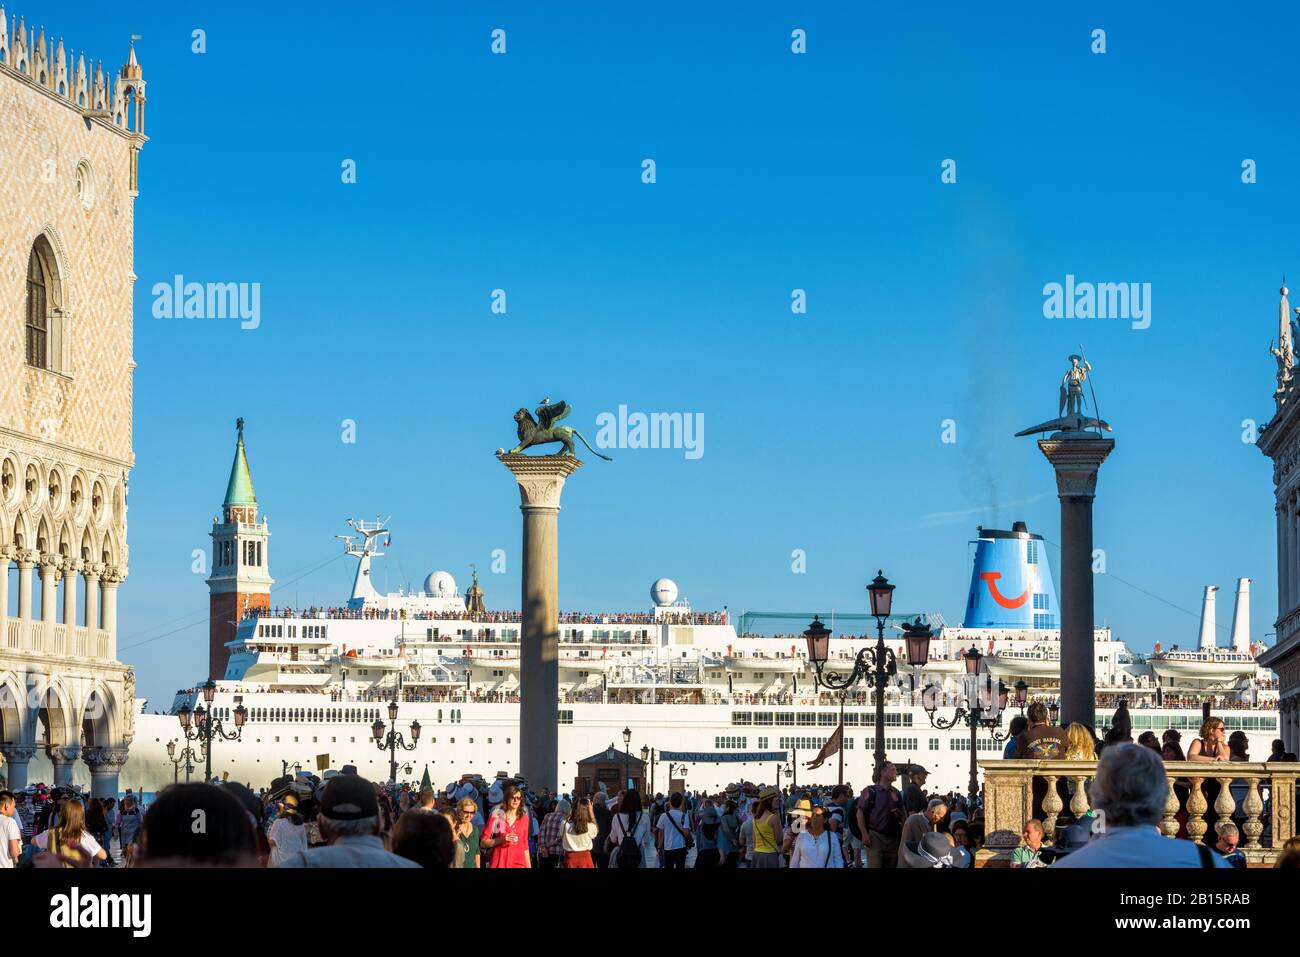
51,715
101,717
108,551
13,729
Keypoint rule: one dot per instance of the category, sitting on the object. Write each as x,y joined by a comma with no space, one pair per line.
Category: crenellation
30,59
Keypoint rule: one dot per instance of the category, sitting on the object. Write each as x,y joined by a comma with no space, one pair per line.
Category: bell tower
240,581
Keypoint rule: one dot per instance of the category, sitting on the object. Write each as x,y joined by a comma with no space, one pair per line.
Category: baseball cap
349,797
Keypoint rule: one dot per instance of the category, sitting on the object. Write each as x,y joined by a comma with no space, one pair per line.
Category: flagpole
841,781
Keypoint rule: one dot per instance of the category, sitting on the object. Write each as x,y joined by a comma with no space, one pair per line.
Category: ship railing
1258,797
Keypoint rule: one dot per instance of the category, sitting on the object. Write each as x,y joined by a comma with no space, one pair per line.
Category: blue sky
775,171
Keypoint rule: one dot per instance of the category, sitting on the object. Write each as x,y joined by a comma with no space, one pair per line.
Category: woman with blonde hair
69,842
465,833
580,835
1079,744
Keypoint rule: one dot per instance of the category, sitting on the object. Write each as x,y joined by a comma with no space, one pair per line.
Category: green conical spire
240,489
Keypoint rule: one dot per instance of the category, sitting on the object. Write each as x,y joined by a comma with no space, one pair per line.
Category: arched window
37,312
44,308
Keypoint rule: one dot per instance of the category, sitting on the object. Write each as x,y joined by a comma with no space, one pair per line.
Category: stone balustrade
1263,804
55,640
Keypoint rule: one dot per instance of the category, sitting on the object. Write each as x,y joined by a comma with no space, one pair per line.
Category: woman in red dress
506,834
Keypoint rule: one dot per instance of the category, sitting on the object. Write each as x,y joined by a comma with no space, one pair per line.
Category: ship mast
362,588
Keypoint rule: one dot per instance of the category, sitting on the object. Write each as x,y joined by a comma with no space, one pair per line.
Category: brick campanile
240,582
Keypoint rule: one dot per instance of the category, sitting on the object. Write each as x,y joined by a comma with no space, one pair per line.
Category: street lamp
285,765
394,739
877,665
187,757
1022,694
982,709
648,756
200,725
627,754
1054,710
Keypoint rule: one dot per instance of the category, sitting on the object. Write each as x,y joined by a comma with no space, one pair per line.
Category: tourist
768,833
579,837
128,824
167,837
631,843
466,833
914,796
604,822
710,847
1148,739
879,817
932,849
817,845
1029,853
1279,750
1130,789
918,825
425,839
550,843
729,840
287,834
349,821
426,800
1019,724
1079,744
1229,838
69,841
507,831
97,825
1121,726
673,835
1040,740
11,834
1212,745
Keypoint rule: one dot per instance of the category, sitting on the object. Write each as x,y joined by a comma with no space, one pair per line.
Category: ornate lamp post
393,740
186,757
877,664
1022,695
786,769
200,725
646,753
627,754
980,710
285,765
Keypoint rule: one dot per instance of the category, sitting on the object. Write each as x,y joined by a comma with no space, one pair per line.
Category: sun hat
767,793
349,797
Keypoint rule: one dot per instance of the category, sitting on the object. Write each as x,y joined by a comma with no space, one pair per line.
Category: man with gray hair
1129,794
349,821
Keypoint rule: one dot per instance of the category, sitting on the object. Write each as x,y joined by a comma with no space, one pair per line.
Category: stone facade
69,147
1280,441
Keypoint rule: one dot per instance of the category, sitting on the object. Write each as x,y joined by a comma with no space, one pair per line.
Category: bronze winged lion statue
543,430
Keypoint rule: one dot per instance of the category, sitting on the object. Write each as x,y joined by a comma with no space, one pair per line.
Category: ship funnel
1241,618
1011,584
1207,618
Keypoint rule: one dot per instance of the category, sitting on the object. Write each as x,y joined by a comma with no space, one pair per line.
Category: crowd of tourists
342,820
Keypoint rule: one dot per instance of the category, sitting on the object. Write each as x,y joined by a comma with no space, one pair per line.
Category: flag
832,745
388,541
425,782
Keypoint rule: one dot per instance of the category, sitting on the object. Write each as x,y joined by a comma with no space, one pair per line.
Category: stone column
541,480
63,758
105,765
92,599
5,556
1076,457
49,565
71,569
25,586
108,589
16,761
1293,552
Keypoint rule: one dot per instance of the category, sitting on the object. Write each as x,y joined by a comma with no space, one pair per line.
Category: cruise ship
719,694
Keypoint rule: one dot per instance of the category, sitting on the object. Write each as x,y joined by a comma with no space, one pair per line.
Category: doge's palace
70,139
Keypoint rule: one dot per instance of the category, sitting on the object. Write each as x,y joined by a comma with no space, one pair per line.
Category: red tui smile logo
991,579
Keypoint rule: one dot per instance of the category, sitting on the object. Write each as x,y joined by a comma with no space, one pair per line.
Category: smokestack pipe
1208,623
1241,618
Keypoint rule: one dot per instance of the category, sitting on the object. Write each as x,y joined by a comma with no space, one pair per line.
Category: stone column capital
112,576
540,477
93,570
15,754
71,566
50,563
26,558
64,754
1076,461
106,759
7,553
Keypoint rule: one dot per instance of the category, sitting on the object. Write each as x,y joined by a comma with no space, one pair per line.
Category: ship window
852,718
762,717
785,717
934,744
1031,552
807,718
827,717
742,717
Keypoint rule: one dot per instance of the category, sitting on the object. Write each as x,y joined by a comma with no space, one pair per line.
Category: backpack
851,818
633,859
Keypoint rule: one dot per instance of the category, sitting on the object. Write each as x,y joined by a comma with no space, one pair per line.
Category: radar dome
663,592
440,585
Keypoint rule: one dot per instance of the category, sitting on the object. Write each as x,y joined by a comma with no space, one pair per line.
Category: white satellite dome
663,592
440,585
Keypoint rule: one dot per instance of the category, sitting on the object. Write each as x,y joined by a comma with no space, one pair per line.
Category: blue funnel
1011,585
